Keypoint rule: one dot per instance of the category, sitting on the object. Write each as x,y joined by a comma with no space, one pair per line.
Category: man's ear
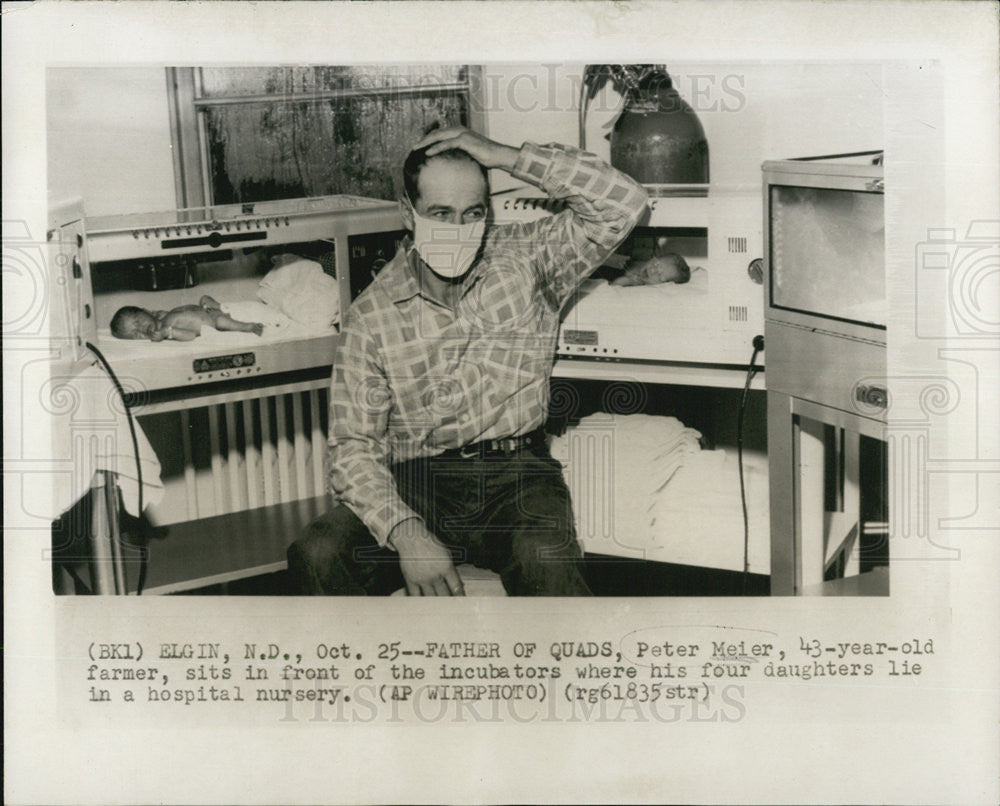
406,213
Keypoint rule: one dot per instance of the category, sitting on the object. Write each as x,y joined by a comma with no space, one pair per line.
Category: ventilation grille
548,205
737,246
738,313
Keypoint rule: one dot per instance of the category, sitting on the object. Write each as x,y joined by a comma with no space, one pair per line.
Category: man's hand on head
425,562
487,153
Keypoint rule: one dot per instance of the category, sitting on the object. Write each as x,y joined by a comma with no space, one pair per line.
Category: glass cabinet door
827,253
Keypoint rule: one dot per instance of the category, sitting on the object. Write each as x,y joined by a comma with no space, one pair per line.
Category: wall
109,129
109,138
750,112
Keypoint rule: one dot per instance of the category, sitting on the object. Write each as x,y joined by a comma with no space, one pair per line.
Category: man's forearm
508,158
594,190
365,485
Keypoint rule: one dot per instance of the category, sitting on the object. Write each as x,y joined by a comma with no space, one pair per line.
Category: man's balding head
417,159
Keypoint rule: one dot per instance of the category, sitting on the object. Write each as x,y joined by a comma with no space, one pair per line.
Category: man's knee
333,535
547,563
337,555
536,546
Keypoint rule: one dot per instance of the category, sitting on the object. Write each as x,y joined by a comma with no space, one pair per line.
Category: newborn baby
662,267
183,323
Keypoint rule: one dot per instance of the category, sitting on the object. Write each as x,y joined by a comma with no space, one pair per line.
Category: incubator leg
111,497
781,475
810,467
106,567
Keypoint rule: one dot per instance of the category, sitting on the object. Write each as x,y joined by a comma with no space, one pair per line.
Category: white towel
616,467
302,291
641,487
698,518
89,433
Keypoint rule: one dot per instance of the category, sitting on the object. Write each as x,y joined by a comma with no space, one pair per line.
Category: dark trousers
509,514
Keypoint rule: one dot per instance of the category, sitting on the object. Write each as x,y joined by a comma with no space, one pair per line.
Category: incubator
710,320
160,261
828,395
235,421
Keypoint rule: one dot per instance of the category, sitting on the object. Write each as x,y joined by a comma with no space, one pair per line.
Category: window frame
189,135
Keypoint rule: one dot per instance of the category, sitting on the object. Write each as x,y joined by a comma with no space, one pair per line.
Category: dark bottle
658,139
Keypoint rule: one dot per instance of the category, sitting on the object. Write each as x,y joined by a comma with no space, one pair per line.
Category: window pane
263,151
241,81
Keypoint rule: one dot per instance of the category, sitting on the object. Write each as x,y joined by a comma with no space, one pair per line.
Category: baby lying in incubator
663,266
183,323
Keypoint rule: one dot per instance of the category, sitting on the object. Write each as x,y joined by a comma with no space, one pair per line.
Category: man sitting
440,381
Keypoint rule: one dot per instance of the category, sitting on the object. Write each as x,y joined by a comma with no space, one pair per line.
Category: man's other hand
487,153
425,562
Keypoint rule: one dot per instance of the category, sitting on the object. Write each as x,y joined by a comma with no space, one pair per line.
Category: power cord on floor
752,369
143,553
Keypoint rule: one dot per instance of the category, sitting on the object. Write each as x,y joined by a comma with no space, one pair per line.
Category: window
244,134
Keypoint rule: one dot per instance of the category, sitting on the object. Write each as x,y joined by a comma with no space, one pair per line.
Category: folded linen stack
698,518
616,467
302,291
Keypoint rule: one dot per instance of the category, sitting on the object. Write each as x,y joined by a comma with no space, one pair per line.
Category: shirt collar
404,284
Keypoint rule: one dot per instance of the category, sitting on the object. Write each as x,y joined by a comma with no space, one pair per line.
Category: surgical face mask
449,249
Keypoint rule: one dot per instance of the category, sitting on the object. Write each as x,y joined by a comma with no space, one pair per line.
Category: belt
508,446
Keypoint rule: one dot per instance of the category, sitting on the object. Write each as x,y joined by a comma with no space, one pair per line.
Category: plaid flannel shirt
413,378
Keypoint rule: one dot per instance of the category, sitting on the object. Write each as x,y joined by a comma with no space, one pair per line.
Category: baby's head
668,268
131,322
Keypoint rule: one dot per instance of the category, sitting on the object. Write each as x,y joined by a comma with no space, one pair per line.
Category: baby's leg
223,321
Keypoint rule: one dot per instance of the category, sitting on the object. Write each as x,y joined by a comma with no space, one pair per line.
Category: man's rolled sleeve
358,457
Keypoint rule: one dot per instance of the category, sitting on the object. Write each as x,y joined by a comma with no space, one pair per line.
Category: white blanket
302,291
642,487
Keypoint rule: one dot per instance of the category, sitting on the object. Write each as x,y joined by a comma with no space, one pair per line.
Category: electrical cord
758,347
143,553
